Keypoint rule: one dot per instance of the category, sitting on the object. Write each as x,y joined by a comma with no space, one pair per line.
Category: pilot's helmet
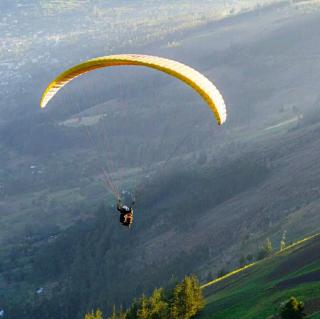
126,208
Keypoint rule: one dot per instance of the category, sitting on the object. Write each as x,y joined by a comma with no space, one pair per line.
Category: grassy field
257,291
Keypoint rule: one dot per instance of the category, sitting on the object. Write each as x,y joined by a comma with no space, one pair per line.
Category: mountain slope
256,292
260,180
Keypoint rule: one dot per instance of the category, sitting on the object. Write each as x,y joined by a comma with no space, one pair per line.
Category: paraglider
181,71
197,81
126,213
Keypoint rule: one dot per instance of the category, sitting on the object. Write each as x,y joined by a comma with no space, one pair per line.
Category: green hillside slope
258,289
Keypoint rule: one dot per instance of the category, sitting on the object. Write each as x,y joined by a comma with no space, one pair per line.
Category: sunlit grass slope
257,290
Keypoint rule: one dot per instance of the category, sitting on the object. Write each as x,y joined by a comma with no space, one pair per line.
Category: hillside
223,194
256,292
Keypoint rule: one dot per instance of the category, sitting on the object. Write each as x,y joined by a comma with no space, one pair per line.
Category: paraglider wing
181,71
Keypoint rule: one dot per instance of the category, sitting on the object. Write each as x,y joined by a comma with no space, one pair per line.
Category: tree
292,309
158,305
283,241
94,315
143,310
114,313
198,298
122,314
98,314
266,250
132,312
184,301
175,305
187,299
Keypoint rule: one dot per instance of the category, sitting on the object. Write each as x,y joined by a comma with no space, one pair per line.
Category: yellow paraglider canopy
181,71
